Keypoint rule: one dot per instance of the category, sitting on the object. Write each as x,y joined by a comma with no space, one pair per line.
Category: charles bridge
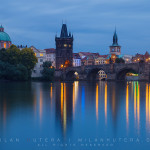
113,71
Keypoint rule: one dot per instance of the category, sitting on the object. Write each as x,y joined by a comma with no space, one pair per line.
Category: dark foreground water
79,115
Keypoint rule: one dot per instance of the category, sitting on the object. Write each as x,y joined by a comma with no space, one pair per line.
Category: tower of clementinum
64,49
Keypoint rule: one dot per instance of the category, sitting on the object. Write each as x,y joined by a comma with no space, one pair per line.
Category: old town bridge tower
64,49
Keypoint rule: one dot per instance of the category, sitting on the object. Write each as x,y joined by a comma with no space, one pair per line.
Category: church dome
3,35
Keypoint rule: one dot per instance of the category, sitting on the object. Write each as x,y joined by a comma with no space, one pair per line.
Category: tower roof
64,32
3,35
115,39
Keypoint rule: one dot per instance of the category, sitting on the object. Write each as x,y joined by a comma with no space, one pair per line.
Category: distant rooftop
50,50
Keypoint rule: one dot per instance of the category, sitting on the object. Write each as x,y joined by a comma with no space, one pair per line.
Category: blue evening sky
35,22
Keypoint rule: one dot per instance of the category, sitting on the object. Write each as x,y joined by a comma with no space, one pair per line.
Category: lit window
4,45
65,45
35,54
69,45
41,54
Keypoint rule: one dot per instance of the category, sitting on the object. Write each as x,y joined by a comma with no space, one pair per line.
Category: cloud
91,21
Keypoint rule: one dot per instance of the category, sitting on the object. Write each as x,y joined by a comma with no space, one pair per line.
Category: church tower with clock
64,49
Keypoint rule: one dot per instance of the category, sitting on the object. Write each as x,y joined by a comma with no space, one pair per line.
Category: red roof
76,56
85,53
104,56
50,50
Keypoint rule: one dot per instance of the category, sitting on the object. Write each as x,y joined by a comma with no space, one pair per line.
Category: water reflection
97,101
147,107
65,103
106,103
137,105
127,105
75,109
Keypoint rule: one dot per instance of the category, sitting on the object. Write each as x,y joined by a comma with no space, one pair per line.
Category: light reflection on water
75,109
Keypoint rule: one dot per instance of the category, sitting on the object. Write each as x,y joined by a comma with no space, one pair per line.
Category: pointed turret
64,32
115,39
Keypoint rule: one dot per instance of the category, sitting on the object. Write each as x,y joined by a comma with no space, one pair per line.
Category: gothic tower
115,48
64,49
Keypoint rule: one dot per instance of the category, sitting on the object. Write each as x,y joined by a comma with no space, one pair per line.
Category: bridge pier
143,77
111,77
144,72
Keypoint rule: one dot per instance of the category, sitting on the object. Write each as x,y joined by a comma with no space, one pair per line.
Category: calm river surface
74,115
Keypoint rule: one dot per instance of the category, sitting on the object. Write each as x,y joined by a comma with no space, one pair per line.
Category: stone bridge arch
121,74
92,73
70,73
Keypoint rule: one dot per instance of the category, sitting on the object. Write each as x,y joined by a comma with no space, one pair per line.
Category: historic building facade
41,56
51,56
141,58
5,41
64,49
76,60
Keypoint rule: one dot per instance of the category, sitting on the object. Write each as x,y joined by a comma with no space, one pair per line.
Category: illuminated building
51,56
102,75
41,56
5,41
76,60
64,48
141,58
100,60
88,58
127,59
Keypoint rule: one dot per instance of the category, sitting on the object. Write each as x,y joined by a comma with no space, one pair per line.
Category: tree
16,64
12,72
48,71
13,55
119,60
28,59
10,55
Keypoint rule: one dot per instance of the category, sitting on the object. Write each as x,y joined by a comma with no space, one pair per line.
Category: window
4,45
41,60
35,54
34,71
69,45
41,54
65,45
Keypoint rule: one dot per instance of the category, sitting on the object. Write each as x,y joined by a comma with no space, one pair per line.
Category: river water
74,115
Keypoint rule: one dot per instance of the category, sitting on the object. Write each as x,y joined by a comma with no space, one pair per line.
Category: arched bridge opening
97,74
127,74
72,75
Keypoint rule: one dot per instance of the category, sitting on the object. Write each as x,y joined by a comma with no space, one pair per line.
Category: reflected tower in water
64,106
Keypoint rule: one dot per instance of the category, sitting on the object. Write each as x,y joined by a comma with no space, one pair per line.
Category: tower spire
115,38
